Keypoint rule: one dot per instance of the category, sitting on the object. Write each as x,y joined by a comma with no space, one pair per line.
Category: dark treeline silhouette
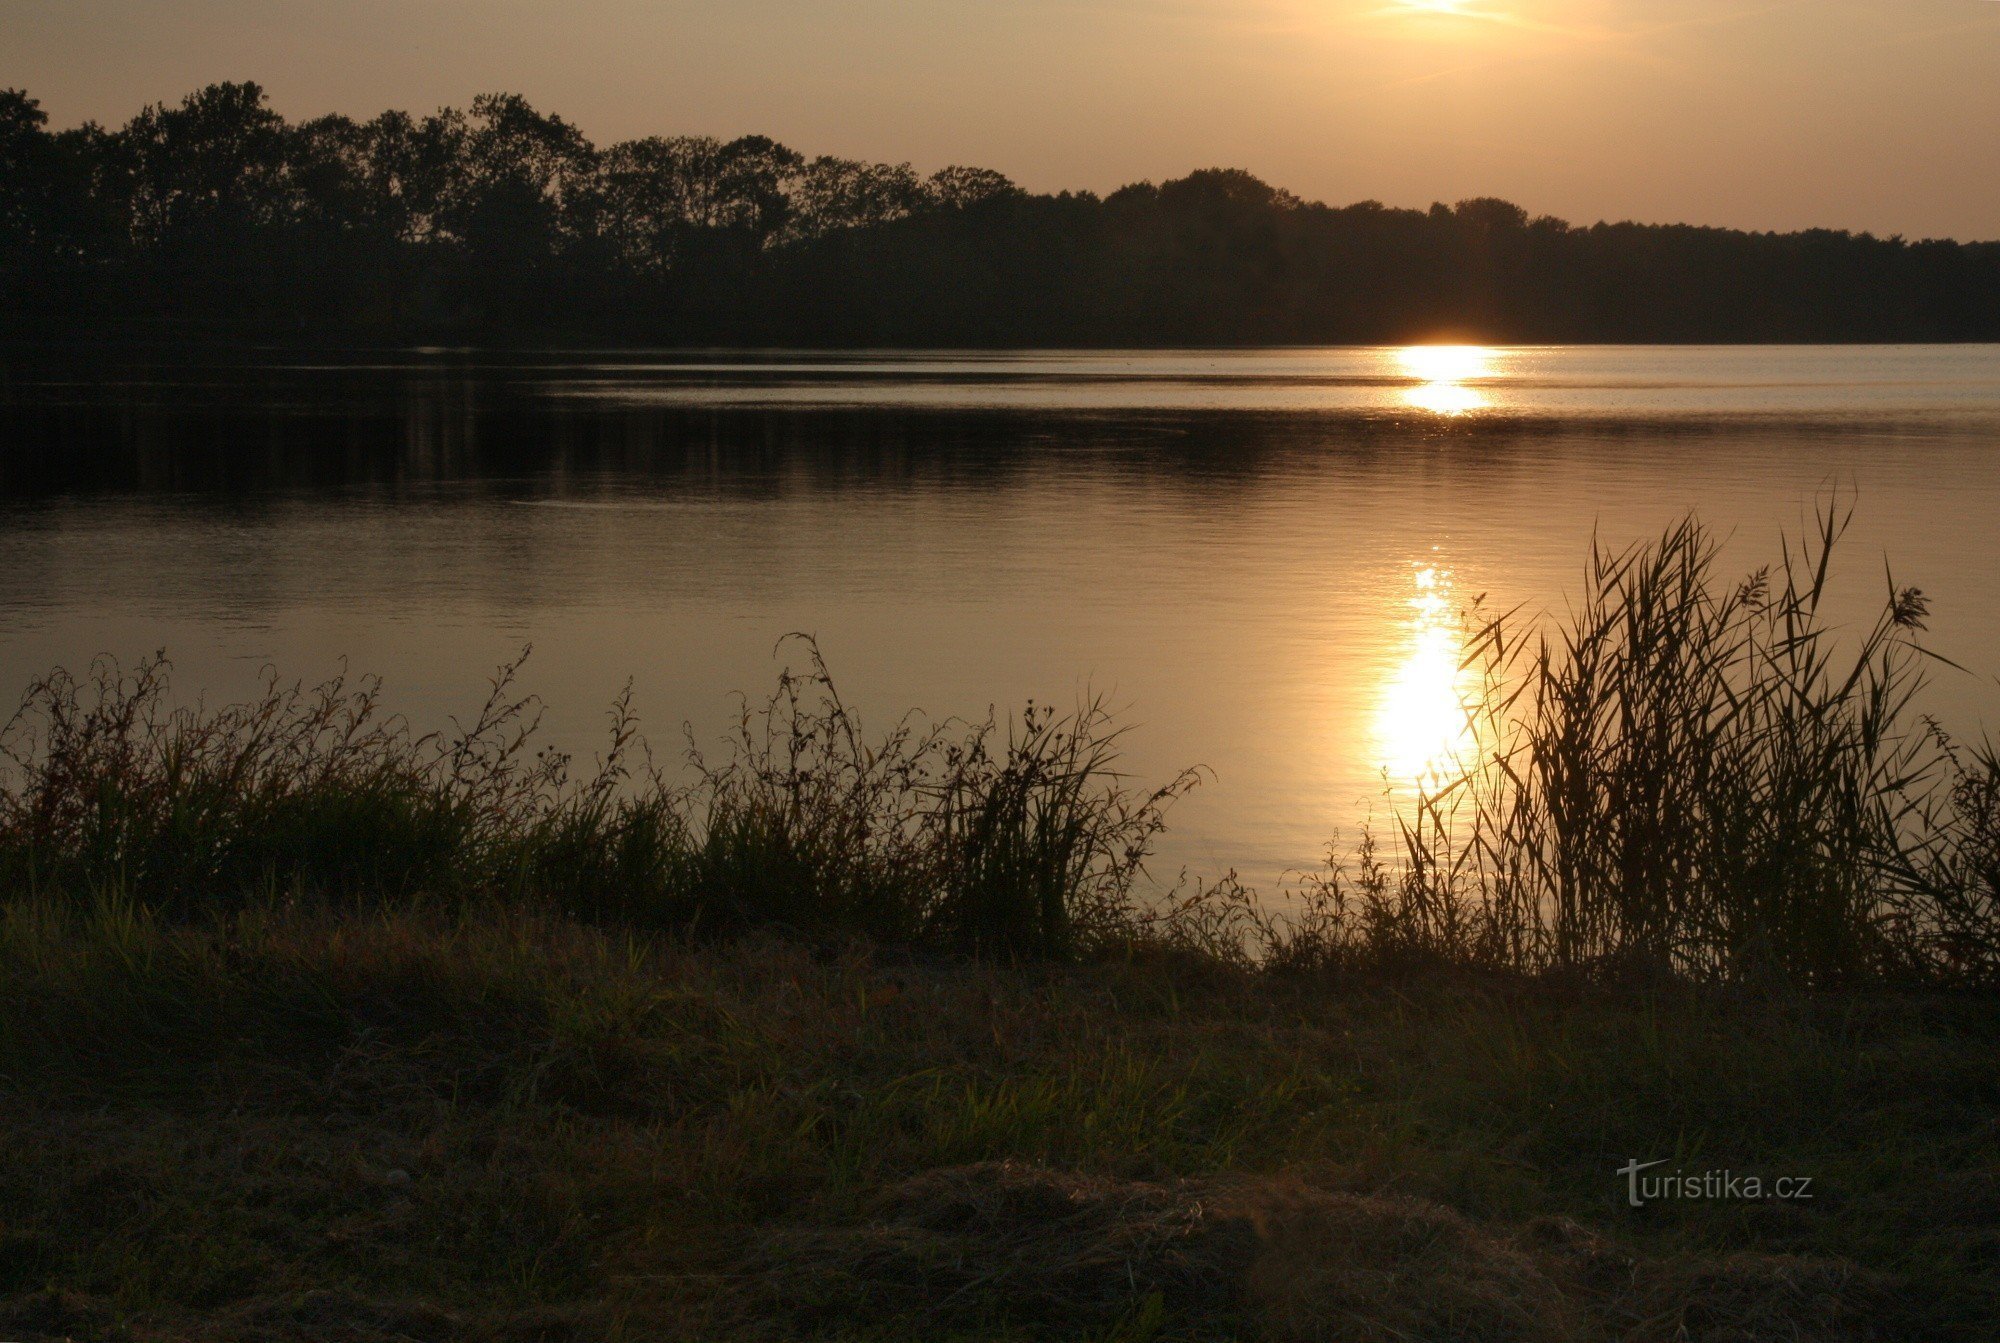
216,215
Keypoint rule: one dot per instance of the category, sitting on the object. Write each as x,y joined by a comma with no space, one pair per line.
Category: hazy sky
1875,114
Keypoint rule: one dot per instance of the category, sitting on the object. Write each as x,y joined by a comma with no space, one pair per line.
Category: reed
1695,777
1688,776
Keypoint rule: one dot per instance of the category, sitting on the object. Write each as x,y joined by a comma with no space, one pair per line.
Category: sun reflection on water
1446,398
1445,371
1422,726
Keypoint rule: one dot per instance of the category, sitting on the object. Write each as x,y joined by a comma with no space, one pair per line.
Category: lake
1260,556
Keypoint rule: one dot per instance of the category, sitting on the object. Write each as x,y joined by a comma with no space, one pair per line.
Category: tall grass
1689,775
1019,838
1693,776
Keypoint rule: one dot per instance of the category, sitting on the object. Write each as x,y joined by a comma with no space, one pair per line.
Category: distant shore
501,222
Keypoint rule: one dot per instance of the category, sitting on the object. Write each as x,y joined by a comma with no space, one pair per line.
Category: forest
218,218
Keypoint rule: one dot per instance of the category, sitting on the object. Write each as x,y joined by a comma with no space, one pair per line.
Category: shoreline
293,1125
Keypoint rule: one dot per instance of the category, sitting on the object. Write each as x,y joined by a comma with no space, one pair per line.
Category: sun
1436,6
1446,363
1442,373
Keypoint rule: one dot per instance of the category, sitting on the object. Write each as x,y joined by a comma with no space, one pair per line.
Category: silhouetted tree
25,166
28,193
958,188
664,198
500,219
837,193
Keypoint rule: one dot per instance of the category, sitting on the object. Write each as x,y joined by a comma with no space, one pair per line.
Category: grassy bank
291,1125
1694,776
312,1027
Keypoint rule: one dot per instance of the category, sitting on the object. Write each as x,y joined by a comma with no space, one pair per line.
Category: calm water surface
1260,556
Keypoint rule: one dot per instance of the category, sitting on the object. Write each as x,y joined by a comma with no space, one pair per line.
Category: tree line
216,215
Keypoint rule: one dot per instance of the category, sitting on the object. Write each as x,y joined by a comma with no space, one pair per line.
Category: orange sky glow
1864,114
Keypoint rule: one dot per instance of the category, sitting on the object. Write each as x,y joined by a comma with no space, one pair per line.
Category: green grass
290,1124
1691,776
312,1027
1020,839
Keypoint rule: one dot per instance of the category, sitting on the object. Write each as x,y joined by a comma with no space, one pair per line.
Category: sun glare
1446,398
1421,724
1442,372
1446,363
1435,6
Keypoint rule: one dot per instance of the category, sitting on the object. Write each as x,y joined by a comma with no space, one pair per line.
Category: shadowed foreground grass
315,1028
294,1125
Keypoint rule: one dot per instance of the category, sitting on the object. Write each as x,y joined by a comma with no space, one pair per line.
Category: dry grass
1692,775
1020,839
311,1028
294,1126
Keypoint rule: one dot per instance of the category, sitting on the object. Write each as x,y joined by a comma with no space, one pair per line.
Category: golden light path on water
1422,726
1321,559
1446,372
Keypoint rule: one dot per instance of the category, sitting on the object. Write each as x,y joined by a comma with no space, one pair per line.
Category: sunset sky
1863,114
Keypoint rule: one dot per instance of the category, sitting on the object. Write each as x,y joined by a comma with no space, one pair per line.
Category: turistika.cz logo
1708,1185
